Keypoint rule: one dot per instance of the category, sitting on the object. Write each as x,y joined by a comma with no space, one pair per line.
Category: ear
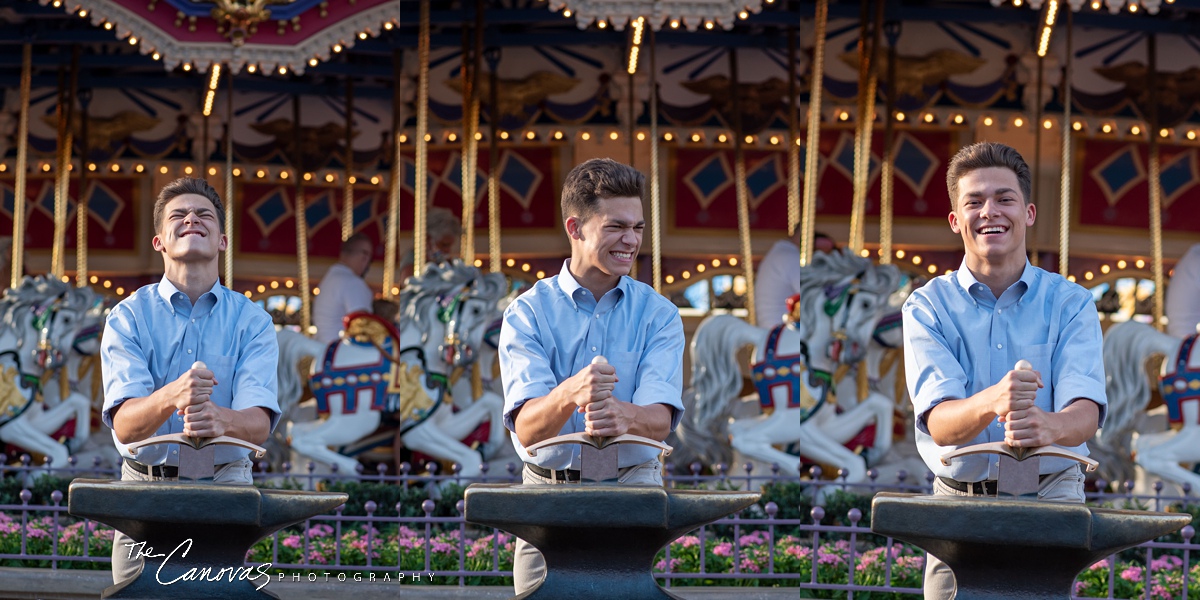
954,225
157,244
223,243
574,226
1030,214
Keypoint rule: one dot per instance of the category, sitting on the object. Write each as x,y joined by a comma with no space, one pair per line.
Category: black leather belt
978,488
165,470
554,475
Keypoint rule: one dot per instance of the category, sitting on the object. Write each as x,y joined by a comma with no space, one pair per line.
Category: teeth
992,230
623,254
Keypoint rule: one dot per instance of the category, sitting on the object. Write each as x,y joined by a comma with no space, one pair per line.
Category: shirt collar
167,290
966,279
568,284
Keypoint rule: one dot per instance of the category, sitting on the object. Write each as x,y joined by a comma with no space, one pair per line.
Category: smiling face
189,231
991,216
605,244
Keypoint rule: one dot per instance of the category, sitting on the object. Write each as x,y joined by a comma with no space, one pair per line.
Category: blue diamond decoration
912,161
47,199
103,204
363,210
10,200
711,177
410,177
764,177
1177,176
453,178
271,210
846,159
1121,170
318,211
518,176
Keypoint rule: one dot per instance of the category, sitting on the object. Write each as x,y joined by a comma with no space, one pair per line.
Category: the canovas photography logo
259,575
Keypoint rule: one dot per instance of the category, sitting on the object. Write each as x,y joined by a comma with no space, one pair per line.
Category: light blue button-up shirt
960,339
556,328
155,334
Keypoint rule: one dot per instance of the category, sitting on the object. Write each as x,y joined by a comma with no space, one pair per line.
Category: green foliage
41,488
387,495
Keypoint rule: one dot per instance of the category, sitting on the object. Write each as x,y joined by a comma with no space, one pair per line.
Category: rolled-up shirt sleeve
125,370
524,364
660,370
1078,365
930,368
255,382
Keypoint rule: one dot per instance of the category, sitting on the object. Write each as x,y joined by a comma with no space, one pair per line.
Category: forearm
653,421
1077,423
958,421
542,418
137,419
249,424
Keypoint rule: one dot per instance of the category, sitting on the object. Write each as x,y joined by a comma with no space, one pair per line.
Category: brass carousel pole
1037,157
348,160
743,194
1155,176
62,160
420,235
472,62
812,151
655,183
887,171
229,201
301,221
494,168
18,243
393,230
1064,201
793,140
867,79
81,205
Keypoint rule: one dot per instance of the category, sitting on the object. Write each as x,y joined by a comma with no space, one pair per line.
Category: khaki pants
1064,486
529,567
124,567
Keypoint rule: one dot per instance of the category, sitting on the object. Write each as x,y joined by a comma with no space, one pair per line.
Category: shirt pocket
1041,356
223,369
626,364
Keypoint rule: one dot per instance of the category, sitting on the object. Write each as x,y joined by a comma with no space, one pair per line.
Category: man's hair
187,185
599,179
441,222
983,155
353,242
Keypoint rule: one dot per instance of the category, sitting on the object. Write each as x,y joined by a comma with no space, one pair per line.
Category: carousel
754,121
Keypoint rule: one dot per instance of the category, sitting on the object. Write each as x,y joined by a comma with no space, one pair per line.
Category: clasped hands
1025,425
591,389
191,396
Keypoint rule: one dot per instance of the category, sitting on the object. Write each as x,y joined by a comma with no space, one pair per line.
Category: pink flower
292,541
1159,591
688,541
723,549
825,558
666,567
1166,562
1132,574
748,565
913,562
1102,564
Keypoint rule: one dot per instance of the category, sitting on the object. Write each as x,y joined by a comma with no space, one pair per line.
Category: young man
343,289
591,308
965,331
152,339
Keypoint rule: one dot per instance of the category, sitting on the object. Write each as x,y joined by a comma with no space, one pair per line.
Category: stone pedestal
599,540
196,535
1002,548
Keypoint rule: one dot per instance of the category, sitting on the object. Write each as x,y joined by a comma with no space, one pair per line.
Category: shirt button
597,316
1000,311
998,346
189,350
593,348
193,320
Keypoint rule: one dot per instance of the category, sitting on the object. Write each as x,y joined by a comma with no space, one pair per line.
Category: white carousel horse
40,320
375,371
842,298
1127,348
